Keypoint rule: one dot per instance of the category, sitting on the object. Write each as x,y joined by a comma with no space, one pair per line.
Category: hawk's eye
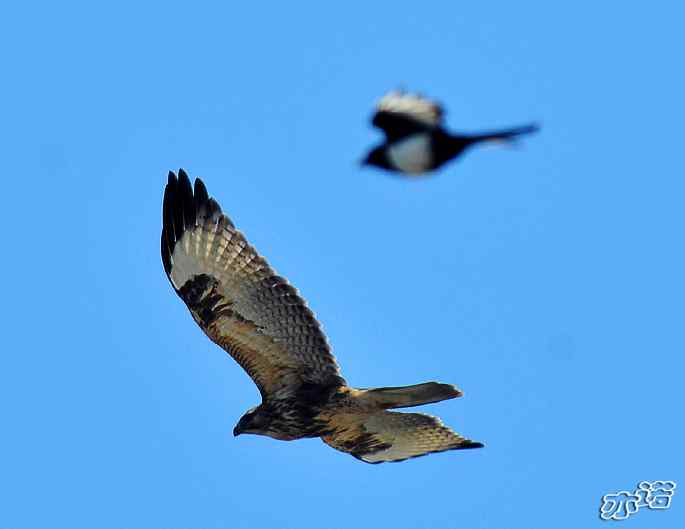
259,419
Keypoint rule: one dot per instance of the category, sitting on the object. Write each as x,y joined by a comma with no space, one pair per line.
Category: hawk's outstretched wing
399,114
235,296
393,436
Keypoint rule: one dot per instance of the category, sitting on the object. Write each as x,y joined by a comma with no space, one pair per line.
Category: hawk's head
262,420
255,421
270,420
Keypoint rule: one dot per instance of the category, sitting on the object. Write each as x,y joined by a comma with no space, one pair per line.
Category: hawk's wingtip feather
181,206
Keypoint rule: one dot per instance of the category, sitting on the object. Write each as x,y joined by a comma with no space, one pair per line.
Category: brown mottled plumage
262,322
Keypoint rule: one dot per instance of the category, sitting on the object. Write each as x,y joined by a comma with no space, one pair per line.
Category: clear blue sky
545,281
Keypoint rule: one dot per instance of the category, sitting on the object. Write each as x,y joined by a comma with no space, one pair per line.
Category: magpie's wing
236,297
399,114
392,436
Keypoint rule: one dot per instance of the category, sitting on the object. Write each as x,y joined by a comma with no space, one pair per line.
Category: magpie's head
377,158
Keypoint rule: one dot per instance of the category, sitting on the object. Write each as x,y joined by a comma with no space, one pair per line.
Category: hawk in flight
416,142
262,322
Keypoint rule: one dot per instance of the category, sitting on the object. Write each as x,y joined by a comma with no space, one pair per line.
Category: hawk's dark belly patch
300,415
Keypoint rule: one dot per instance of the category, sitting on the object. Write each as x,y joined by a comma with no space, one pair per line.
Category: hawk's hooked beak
237,431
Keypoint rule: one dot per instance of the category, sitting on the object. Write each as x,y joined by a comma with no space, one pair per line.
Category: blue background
546,281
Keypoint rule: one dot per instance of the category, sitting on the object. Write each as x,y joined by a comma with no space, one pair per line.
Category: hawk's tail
408,396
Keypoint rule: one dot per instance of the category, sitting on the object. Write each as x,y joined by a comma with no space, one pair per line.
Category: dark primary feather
201,195
186,192
168,230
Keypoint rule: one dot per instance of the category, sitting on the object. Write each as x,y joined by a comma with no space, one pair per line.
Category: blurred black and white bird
416,142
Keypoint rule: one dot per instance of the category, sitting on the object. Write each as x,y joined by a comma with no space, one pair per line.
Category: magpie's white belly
412,154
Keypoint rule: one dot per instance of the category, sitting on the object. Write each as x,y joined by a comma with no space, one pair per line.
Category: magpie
416,141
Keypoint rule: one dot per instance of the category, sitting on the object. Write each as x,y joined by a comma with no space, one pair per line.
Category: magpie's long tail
505,135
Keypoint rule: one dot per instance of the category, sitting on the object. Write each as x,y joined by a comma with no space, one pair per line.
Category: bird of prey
262,322
416,141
